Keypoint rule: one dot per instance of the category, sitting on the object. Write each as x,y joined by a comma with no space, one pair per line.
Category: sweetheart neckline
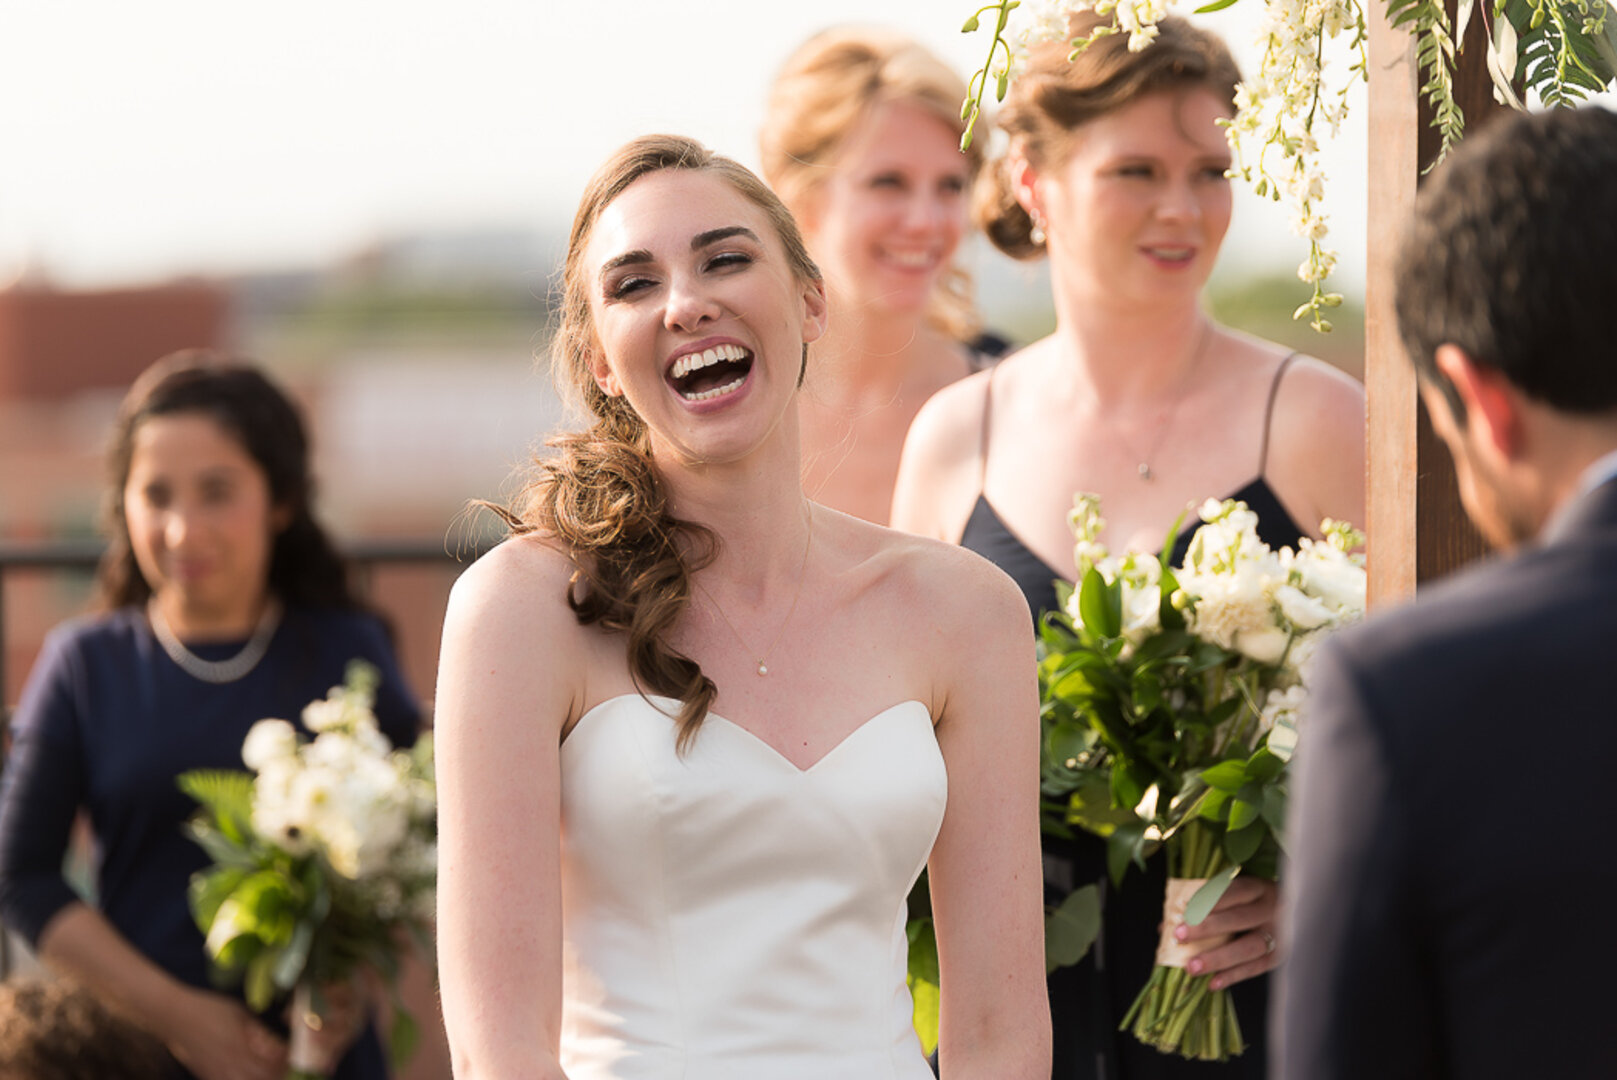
753,736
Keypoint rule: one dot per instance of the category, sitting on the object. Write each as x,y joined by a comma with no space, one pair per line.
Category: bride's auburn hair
599,492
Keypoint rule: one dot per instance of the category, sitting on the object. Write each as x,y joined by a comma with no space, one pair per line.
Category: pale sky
165,137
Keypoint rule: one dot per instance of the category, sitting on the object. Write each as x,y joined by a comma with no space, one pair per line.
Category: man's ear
1493,407
604,378
816,315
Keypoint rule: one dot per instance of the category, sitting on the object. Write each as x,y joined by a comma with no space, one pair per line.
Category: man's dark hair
1513,258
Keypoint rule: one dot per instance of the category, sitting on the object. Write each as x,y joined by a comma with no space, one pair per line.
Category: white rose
1301,610
267,741
325,715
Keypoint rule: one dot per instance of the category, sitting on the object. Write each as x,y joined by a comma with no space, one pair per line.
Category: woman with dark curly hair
224,603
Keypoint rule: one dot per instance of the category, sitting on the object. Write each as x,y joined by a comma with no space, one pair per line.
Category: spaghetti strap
982,449
1268,412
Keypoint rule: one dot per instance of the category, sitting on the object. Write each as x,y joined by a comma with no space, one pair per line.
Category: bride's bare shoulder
522,576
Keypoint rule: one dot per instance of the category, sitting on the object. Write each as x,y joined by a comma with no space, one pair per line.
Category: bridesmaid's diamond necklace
217,672
763,657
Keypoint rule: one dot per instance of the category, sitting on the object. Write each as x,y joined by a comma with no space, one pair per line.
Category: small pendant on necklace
1145,470
762,668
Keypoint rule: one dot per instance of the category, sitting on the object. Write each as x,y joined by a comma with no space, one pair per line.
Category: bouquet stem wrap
1178,1012
304,1057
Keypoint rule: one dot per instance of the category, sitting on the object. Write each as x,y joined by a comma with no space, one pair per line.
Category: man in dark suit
1453,887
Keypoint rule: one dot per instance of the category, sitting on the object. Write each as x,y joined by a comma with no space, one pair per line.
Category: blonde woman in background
861,141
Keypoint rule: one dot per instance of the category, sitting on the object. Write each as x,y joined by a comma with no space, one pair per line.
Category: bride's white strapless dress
727,915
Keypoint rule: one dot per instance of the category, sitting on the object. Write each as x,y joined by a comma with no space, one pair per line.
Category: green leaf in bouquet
235,949
1147,690
1215,806
259,984
1091,807
1242,814
1207,656
1128,783
1101,605
923,954
1263,766
1223,711
1071,928
227,796
1274,810
295,956
1125,845
209,889
1064,591
1207,897
1171,617
922,979
1241,844
1073,685
1167,645
1226,775
220,848
1068,741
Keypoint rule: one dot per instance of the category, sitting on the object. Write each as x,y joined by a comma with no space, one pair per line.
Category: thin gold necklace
763,657
1147,474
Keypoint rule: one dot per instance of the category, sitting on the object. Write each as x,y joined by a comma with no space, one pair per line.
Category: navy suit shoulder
1444,892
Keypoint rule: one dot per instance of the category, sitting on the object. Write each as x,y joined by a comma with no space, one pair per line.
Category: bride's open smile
699,318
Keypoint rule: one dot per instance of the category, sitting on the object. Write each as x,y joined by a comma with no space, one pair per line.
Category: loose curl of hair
54,1029
600,494
1052,97
831,83
305,568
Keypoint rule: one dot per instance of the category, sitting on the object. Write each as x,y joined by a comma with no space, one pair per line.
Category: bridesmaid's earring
1036,233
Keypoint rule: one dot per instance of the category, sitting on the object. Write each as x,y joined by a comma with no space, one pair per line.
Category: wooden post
1417,526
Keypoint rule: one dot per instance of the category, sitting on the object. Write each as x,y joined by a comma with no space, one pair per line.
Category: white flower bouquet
1170,702
324,858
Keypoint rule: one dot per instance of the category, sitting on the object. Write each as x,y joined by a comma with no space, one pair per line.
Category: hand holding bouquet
1170,698
324,857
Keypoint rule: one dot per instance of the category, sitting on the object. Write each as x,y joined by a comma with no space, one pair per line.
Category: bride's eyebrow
639,255
715,236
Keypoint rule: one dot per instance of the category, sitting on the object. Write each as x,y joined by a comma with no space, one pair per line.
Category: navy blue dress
1088,999
107,721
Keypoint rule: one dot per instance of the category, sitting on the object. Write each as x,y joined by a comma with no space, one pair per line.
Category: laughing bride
697,736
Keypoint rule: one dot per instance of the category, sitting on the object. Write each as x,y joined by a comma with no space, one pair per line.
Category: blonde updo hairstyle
1051,98
599,493
821,94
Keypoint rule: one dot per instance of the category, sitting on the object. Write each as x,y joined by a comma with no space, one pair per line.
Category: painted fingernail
1216,984
1181,933
1196,967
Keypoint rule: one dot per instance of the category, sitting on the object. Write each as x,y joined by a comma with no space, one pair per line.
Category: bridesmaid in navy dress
225,603
1116,172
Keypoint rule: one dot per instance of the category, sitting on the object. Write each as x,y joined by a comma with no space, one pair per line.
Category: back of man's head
1512,257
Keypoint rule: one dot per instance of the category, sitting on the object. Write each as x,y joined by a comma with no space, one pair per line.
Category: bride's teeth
716,391
697,361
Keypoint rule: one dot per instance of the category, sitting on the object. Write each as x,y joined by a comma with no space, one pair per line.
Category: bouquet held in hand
324,859
1170,703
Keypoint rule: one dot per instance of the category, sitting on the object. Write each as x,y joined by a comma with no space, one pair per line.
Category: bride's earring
1036,233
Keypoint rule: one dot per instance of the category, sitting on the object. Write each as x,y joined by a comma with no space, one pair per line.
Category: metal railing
363,557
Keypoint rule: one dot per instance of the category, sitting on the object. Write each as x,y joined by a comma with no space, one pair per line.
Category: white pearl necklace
216,671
